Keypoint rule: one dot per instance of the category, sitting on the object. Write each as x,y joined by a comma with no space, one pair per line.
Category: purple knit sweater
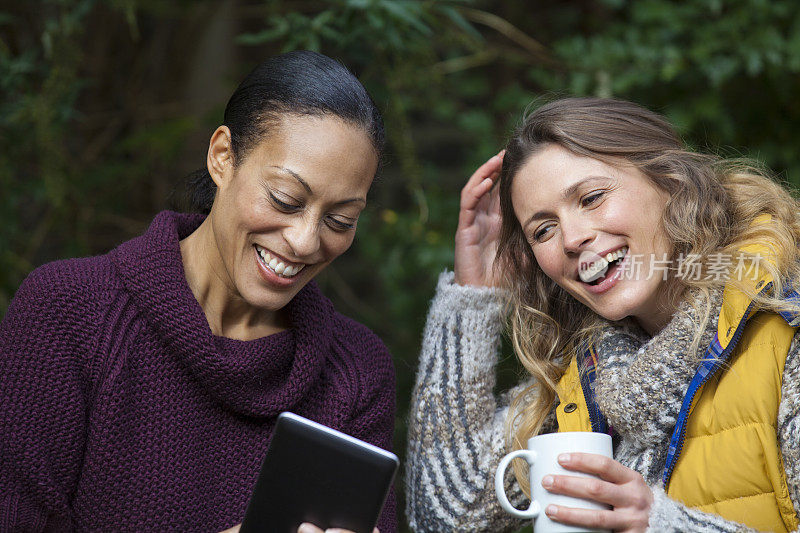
121,411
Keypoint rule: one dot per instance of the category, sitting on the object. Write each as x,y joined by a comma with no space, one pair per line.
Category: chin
270,305
613,317
617,313
267,300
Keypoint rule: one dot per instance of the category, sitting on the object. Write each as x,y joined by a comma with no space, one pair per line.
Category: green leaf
408,12
461,22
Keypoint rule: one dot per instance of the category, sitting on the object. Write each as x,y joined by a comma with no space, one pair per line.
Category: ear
220,156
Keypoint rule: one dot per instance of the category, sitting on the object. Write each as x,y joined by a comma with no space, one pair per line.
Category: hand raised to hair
620,487
479,227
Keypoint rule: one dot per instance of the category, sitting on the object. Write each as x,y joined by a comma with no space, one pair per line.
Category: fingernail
305,528
564,458
551,510
547,481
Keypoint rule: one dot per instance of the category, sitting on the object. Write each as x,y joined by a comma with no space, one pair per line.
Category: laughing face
289,208
596,230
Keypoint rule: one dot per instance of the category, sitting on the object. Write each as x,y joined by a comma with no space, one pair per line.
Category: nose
576,235
302,235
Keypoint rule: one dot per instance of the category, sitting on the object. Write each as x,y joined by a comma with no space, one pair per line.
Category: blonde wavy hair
712,208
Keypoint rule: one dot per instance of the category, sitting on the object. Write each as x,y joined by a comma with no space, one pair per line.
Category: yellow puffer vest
730,463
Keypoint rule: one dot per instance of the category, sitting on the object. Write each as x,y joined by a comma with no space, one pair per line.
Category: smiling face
594,230
289,208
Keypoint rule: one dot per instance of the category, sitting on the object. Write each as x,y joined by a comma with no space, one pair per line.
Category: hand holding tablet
311,528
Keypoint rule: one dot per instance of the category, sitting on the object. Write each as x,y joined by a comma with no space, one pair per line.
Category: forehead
554,173
327,152
553,169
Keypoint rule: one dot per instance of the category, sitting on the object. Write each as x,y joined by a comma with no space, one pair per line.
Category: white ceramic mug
542,456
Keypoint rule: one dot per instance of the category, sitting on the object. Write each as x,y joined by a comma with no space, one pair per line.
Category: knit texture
456,431
121,411
456,424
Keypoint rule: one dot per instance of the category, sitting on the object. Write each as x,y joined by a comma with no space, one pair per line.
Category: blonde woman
648,292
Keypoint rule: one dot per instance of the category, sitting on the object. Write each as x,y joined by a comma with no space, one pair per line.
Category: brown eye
283,206
338,225
542,232
589,199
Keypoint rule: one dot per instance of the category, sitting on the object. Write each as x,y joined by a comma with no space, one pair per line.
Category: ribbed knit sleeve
43,339
372,419
456,425
669,516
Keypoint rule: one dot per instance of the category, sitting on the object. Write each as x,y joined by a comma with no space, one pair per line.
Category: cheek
258,215
548,262
337,243
651,229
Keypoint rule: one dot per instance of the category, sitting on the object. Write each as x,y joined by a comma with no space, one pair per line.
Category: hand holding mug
616,485
577,486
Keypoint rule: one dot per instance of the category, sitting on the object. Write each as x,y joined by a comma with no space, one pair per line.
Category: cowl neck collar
258,378
641,381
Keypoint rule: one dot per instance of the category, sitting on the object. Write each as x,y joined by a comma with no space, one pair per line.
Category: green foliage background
106,104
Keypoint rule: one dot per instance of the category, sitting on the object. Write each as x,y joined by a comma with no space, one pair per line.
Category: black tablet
313,473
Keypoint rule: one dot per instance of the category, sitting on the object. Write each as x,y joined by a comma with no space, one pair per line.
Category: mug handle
499,485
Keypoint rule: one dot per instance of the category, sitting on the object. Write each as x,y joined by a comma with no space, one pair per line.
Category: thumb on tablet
311,528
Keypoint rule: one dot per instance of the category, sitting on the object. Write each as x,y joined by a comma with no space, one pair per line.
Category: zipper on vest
709,368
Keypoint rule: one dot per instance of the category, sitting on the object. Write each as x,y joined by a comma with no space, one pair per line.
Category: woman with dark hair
139,389
650,293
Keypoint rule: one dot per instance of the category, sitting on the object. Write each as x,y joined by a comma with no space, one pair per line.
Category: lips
278,265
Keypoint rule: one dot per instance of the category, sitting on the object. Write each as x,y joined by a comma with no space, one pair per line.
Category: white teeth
613,256
593,270
593,267
277,266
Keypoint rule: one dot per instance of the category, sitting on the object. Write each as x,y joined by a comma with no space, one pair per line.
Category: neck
227,313
668,299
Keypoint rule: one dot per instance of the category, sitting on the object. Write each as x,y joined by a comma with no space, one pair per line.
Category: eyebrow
307,187
565,194
295,175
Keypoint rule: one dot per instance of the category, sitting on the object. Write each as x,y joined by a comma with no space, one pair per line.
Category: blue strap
587,366
792,317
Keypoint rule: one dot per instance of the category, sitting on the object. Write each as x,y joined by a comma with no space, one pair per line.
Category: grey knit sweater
456,426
